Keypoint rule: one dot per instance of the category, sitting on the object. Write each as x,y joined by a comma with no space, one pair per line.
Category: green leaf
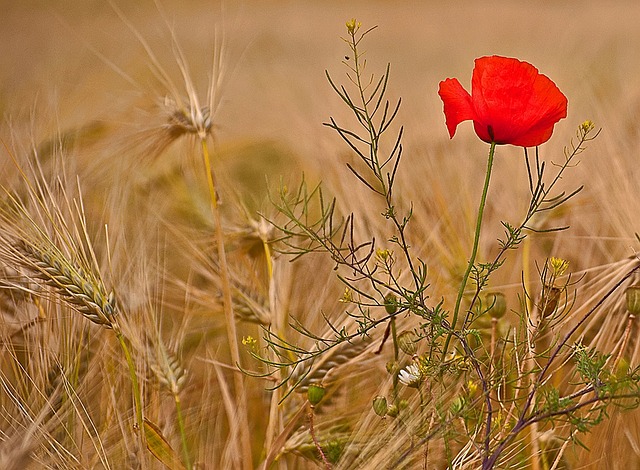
160,447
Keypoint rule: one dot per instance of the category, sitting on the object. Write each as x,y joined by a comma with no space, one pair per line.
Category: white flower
411,376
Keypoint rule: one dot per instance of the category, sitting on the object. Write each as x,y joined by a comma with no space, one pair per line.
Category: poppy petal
457,103
511,102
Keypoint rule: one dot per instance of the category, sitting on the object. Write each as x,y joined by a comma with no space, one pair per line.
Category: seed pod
633,299
407,342
380,406
315,394
497,304
391,304
550,303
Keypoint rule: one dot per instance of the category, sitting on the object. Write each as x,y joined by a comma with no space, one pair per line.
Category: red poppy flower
510,102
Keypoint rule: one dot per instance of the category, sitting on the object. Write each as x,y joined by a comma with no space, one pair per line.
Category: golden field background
76,69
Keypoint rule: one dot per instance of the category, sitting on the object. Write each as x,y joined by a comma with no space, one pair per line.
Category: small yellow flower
384,256
353,26
558,266
249,341
472,387
347,296
587,126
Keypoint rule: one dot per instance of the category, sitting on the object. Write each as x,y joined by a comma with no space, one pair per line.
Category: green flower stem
183,435
137,397
241,405
474,252
396,355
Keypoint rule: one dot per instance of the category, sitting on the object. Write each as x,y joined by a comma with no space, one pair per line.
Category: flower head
353,26
510,102
558,266
411,376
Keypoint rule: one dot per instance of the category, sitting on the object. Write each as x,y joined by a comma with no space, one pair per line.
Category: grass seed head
80,288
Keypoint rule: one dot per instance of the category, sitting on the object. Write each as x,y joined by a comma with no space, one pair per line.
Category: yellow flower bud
587,126
558,266
353,26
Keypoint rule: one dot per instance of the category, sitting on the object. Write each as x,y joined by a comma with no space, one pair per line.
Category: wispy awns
45,239
175,106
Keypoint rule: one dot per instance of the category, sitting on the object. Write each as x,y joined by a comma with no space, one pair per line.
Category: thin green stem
240,419
396,355
183,435
474,251
137,397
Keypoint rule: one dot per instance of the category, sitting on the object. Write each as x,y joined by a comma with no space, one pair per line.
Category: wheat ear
78,287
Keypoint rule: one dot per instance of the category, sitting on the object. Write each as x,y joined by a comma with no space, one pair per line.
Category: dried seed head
550,299
81,289
167,369
193,121
407,342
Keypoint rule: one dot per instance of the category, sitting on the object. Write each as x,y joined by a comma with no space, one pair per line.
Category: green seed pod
633,299
407,342
315,394
380,406
391,303
392,411
497,304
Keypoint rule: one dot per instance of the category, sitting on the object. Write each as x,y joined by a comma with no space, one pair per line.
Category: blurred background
66,53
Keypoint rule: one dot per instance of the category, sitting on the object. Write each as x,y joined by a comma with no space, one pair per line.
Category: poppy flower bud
315,394
380,406
633,299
